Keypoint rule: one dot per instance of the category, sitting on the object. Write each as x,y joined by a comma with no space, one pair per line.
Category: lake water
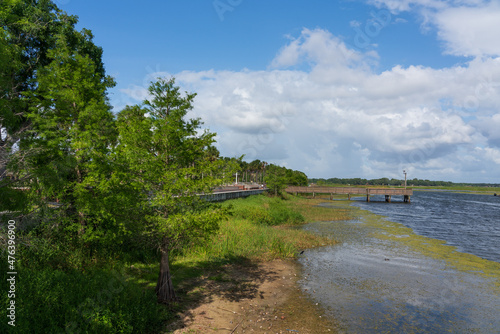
470,222
376,280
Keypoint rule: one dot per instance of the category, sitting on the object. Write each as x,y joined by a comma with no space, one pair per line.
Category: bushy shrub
99,301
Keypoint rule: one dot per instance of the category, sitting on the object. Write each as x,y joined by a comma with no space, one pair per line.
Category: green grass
71,301
241,238
66,290
265,210
261,228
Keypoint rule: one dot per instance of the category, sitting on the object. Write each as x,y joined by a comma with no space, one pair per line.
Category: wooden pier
387,192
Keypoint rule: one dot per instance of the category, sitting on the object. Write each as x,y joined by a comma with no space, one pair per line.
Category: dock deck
388,192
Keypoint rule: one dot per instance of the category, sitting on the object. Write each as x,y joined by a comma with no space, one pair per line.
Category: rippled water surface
371,284
470,222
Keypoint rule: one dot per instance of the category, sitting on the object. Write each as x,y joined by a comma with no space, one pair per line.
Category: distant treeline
263,172
394,182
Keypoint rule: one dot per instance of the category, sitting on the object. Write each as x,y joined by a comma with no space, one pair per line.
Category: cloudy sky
347,88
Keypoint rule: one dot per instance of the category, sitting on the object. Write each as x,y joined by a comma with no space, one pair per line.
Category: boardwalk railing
232,194
388,192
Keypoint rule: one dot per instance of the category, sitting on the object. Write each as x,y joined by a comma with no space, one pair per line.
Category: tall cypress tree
171,162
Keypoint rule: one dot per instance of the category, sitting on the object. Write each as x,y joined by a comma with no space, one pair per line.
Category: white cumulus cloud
468,28
340,118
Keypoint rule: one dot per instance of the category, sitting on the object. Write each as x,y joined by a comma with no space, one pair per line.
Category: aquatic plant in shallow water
434,248
382,277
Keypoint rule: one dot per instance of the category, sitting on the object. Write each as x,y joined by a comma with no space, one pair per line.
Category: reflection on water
378,286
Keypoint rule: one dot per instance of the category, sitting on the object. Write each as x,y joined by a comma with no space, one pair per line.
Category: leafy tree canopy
171,161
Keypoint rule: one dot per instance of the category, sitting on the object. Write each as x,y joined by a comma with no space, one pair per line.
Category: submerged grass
434,248
312,211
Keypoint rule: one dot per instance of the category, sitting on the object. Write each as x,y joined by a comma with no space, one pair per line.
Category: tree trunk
164,288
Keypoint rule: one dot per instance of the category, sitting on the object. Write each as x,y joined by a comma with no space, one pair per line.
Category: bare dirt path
254,298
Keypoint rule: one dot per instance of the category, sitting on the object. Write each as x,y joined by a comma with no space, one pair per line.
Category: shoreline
269,301
387,278
281,297
257,290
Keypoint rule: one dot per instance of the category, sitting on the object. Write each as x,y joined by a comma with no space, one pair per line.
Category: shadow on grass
233,279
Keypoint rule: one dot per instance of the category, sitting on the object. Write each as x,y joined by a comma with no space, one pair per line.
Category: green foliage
296,178
103,302
244,236
266,211
167,163
56,110
89,189
276,179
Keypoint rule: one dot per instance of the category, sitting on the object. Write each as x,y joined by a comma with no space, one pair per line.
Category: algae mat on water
382,277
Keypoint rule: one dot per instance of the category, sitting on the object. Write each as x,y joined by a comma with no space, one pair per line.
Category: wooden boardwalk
218,196
388,192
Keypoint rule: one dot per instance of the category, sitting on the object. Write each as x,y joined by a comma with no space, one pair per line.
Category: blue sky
333,88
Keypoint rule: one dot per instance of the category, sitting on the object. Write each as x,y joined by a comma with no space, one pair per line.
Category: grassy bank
70,291
261,228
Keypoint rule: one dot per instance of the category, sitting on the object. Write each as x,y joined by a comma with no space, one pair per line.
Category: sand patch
255,298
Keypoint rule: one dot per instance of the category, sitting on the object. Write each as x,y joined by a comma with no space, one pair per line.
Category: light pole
404,172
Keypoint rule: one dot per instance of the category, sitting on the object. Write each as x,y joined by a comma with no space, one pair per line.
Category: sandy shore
255,298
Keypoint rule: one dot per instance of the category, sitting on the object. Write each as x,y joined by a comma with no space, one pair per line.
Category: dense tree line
253,171
278,178
256,171
393,182
86,179
88,186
